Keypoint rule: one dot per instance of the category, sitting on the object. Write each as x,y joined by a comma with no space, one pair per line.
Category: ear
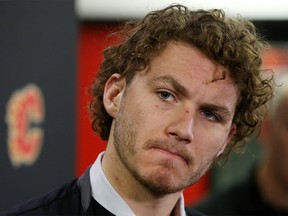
113,92
229,137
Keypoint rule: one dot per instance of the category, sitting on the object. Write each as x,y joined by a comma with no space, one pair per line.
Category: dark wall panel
37,40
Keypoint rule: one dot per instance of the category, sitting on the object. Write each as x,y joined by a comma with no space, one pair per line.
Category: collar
94,183
104,193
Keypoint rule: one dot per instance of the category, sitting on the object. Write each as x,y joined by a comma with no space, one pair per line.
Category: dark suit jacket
73,198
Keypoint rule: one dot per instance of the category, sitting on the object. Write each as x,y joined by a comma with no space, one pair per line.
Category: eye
166,96
210,116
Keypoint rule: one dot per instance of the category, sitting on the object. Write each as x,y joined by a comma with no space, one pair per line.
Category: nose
181,128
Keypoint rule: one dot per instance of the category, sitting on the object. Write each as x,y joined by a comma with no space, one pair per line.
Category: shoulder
52,203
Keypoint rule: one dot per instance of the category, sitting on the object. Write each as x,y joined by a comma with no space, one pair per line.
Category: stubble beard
157,181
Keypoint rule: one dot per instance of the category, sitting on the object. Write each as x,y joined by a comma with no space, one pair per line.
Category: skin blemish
187,111
118,181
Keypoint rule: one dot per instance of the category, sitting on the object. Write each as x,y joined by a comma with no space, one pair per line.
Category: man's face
174,119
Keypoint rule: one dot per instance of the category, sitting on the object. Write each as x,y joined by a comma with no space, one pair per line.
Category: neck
139,198
272,188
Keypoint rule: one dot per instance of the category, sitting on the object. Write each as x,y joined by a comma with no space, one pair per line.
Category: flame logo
24,114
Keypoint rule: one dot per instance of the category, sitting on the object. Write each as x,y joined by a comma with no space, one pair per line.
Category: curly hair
231,42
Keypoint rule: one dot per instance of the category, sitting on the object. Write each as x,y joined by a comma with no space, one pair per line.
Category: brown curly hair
231,42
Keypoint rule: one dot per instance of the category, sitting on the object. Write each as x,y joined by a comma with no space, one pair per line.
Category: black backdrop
38,46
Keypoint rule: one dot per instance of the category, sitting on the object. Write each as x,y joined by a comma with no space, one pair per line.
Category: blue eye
166,96
210,115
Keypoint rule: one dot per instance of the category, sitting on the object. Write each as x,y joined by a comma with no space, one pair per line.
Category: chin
163,182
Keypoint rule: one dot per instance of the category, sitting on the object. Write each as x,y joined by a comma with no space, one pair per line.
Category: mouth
171,150
171,153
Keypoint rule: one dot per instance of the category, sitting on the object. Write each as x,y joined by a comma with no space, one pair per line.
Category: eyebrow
172,82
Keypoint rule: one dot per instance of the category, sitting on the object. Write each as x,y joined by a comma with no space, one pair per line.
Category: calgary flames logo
25,112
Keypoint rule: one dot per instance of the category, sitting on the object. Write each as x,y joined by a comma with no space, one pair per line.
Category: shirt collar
104,193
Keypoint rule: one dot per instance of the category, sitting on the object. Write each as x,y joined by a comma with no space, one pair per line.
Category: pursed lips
172,152
170,147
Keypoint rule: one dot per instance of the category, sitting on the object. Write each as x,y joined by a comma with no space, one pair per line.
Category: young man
179,93
265,191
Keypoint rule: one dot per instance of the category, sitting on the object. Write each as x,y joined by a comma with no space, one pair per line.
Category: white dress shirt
104,193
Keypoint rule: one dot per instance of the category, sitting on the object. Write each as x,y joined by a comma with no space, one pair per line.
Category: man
265,191
179,93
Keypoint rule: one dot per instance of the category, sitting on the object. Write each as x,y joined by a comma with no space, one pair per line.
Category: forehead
182,60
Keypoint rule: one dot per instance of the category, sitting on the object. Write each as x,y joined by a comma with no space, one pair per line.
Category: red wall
93,39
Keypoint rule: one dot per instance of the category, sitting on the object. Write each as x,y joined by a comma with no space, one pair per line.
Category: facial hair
158,181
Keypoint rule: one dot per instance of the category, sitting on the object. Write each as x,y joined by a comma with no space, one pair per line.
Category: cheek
206,146
146,118
208,142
